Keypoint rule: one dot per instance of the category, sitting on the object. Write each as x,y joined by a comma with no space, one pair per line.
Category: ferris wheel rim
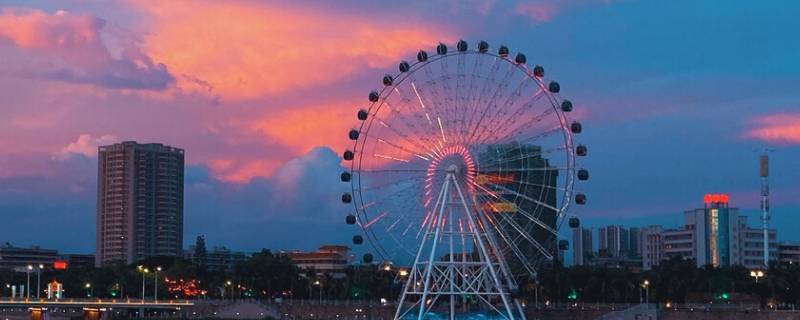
398,78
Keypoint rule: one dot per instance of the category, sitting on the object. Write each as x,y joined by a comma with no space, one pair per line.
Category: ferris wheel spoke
517,115
440,108
498,160
491,103
525,236
502,111
511,245
418,144
477,100
390,184
525,213
528,198
518,130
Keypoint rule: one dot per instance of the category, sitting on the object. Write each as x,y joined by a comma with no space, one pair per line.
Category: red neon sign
715,198
60,265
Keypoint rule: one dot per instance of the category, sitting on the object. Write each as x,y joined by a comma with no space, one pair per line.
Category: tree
200,251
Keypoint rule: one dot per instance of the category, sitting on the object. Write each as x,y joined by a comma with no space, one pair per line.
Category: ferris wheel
464,158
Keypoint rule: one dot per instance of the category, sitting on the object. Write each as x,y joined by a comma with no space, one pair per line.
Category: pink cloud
537,11
781,128
69,48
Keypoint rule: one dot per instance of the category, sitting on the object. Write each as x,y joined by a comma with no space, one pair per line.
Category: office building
581,246
139,202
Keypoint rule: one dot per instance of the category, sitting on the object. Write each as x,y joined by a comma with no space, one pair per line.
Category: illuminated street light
317,283
89,290
39,280
28,286
155,282
646,287
756,274
144,272
403,272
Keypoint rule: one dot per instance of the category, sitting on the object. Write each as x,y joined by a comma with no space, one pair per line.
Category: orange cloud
245,50
777,128
303,128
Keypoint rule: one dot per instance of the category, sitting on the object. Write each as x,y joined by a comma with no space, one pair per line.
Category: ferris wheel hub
454,169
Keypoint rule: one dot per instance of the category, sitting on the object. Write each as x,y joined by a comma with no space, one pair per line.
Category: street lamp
155,294
646,287
39,280
28,294
318,283
144,272
403,272
89,290
228,284
756,274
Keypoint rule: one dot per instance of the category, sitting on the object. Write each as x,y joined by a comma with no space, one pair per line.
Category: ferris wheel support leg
429,267
451,272
412,276
478,238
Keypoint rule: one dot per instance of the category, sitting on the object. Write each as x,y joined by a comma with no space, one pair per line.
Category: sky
676,97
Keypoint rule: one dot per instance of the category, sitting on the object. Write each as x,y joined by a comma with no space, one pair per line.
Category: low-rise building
16,258
327,259
219,259
789,253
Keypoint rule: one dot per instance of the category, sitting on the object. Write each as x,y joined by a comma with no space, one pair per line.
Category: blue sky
676,97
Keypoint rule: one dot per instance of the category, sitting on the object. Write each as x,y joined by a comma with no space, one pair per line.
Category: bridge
92,309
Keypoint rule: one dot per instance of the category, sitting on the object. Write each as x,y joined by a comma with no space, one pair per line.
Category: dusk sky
676,98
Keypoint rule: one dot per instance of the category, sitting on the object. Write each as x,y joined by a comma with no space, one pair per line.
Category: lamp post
229,284
155,282
28,286
646,287
756,274
39,280
89,290
318,283
144,272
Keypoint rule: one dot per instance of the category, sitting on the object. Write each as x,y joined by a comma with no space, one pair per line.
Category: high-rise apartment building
613,241
139,202
517,187
650,246
581,245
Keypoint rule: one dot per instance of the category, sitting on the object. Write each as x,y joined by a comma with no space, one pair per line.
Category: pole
28,286
143,274
38,281
155,284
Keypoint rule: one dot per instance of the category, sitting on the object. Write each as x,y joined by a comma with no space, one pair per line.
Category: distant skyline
675,97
